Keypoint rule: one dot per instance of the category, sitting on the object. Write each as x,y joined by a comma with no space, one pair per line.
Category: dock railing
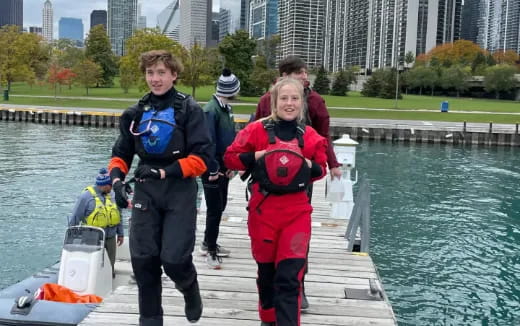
359,222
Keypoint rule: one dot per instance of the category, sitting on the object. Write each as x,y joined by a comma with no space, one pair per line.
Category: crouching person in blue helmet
167,130
95,207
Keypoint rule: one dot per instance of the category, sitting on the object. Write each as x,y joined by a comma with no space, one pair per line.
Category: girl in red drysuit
279,224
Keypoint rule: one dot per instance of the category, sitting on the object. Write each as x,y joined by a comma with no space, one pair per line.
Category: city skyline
32,11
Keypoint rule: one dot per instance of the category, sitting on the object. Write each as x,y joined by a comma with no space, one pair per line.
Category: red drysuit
279,227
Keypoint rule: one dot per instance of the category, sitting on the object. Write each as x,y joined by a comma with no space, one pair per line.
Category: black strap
269,127
179,102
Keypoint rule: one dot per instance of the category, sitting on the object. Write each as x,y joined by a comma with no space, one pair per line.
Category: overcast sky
32,10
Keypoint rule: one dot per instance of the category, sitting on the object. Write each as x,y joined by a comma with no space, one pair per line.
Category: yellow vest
104,215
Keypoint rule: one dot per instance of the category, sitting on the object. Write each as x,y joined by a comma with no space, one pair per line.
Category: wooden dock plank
230,294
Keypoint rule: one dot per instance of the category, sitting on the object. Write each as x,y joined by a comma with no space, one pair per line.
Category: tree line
26,57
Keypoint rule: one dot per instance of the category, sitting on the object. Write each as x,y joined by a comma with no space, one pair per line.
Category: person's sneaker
213,260
221,252
266,323
193,303
305,302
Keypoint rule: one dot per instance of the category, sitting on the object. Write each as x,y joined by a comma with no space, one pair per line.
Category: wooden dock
229,294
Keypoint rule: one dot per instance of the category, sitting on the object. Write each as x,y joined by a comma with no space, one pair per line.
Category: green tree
479,64
341,83
67,54
322,82
99,50
18,52
382,83
262,77
238,50
196,68
269,48
88,73
456,77
409,58
144,40
500,78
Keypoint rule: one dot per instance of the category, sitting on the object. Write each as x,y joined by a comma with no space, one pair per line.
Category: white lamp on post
340,190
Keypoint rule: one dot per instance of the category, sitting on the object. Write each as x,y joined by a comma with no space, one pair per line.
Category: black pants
162,233
216,193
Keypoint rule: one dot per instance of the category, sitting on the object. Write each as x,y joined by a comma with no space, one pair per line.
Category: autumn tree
461,52
88,73
143,40
196,68
500,78
322,82
238,50
508,57
99,50
18,54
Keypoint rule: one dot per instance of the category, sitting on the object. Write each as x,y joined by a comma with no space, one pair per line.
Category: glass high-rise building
301,29
169,20
98,17
378,33
11,12
263,18
47,21
122,21
232,19
195,27
71,28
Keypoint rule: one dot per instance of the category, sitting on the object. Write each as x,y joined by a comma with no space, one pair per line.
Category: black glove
122,190
146,172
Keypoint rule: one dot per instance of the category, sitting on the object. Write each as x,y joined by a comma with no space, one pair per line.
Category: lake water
445,220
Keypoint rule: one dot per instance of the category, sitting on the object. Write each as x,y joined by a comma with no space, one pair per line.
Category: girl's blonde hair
275,90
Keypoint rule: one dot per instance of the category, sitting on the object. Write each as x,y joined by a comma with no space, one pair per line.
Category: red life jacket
283,169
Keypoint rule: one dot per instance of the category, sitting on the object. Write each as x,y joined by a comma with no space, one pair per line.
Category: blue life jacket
162,137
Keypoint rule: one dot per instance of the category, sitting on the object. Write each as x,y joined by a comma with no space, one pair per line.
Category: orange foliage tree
461,52
509,57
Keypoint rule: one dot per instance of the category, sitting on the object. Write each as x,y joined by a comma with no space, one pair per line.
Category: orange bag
58,293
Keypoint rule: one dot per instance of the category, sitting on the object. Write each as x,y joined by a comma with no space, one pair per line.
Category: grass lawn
353,100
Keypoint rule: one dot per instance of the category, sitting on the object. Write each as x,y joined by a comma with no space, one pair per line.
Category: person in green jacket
215,181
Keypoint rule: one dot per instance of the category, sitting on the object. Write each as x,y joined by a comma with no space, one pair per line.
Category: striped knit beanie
103,178
228,84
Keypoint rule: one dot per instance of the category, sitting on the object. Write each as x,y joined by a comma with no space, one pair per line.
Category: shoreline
455,133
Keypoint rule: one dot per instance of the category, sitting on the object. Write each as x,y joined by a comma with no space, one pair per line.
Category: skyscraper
35,30
141,20
301,25
263,19
98,17
71,28
122,21
47,21
470,20
232,18
169,20
195,22
224,23
378,33
11,12
497,23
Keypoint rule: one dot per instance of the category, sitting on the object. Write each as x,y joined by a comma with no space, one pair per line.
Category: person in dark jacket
315,115
279,223
167,130
215,181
